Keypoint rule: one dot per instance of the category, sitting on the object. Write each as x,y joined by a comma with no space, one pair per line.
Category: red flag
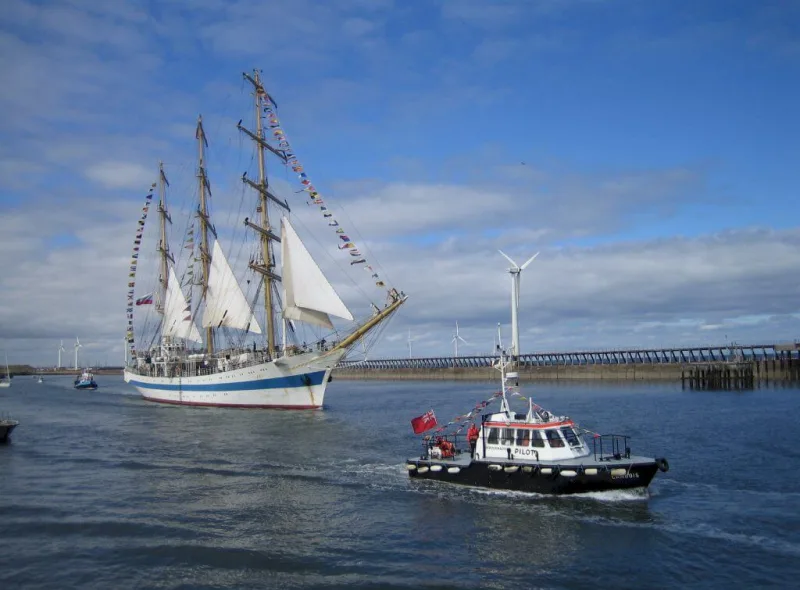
424,422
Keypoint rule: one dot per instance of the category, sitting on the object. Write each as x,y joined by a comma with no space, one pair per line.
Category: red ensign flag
424,422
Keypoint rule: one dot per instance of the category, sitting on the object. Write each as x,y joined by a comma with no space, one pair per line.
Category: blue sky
648,149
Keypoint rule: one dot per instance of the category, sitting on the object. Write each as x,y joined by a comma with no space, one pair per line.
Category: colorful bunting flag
132,274
291,160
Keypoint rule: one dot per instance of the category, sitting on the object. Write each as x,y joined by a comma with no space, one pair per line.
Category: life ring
662,464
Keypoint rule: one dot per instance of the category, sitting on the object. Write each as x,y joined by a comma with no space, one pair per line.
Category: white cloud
120,174
96,105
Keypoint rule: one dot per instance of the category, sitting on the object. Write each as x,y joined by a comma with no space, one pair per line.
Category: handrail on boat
616,447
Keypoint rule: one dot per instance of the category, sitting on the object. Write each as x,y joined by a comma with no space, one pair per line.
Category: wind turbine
77,346
410,340
515,272
455,340
60,350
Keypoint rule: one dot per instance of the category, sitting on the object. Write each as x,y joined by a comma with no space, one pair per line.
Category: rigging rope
314,195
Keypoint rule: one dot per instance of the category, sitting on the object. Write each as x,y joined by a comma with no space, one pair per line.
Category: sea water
100,489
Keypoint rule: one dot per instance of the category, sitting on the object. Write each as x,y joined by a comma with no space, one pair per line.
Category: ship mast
264,228
163,244
204,190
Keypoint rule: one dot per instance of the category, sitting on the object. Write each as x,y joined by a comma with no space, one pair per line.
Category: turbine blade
514,264
529,261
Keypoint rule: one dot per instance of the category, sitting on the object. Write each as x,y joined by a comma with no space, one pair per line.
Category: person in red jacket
472,437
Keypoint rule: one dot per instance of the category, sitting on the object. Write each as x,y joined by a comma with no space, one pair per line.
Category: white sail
226,305
177,320
308,296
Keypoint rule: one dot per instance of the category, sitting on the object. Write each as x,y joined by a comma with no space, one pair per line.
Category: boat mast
262,186
204,191
502,365
163,244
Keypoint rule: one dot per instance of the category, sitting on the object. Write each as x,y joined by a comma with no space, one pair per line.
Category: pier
696,367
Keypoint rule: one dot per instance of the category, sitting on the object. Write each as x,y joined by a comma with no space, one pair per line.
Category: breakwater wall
763,371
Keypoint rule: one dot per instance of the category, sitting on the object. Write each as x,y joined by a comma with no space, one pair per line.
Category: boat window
523,437
508,436
553,438
494,434
571,436
536,439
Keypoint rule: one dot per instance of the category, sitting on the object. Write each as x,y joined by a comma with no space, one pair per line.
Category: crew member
472,437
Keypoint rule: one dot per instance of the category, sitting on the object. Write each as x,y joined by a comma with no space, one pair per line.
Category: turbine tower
410,340
77,346
455,340
60,350
515,272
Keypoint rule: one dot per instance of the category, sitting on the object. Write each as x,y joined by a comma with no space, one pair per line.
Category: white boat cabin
535,436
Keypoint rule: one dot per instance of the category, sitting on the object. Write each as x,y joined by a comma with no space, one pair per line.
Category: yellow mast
163,245
266,245
202,214
264,229
268,236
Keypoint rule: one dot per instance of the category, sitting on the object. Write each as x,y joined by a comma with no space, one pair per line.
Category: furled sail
177,320
226,305
308,296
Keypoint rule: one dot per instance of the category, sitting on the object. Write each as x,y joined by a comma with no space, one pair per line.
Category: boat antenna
202,213
501,365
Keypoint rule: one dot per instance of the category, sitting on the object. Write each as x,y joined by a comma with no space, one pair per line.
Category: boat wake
607,496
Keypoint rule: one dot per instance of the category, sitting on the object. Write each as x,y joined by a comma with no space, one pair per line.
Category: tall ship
260,334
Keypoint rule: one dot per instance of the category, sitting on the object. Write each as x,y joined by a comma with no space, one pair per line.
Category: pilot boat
536,451
85,381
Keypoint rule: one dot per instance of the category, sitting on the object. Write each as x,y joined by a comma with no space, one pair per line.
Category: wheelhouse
538,436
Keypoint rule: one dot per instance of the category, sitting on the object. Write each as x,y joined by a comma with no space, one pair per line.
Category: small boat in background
40,379
85,381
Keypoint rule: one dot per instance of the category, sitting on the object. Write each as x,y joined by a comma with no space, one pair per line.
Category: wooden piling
720,376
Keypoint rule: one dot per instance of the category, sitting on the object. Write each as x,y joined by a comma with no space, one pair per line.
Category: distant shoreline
22,370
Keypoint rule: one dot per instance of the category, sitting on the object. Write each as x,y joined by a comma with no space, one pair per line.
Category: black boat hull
561,479
5,430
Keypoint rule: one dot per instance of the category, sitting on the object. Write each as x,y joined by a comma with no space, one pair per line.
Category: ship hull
542,478
266,385
6,426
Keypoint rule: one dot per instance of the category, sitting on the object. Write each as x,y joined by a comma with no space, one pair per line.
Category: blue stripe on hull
290,382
